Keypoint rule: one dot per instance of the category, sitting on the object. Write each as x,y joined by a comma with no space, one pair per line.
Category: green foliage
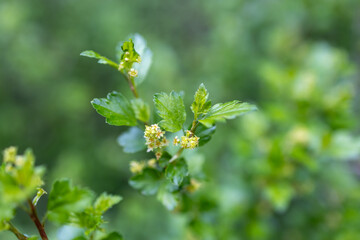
166,176
221,111
204,133
129,55
105,201
141,110
139,44
168,196
65,199
91,218
33,238
148,181
200,104
176,171
80,238
132,140
102,59
171,109
67,204
113,236
294,59
3,225
116,109
19,179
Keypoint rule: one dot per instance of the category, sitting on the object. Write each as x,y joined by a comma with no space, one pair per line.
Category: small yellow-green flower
10,155
121,66
136,167
151,163
176,141
189,141
194,185
133,72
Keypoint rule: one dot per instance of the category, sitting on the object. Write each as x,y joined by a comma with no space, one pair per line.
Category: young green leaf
200,104
221,111
132,140
141,109
102,59
88,219
113,236
171,109
139,44
176,171
106,201
147,182
116,109
91,218
64,199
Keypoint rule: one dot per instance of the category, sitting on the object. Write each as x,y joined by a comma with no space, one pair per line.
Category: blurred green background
289,171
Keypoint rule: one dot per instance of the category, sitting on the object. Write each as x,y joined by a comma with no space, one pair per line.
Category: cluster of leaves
296,159
20,182
168,174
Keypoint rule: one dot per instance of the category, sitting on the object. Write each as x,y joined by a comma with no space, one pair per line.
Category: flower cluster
155,137
11,159
189,141
137,167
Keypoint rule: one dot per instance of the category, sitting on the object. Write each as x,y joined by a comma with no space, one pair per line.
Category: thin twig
34,217
131,84
15,231
177,155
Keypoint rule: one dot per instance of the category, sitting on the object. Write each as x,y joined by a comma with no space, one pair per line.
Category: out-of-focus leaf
19,179
113,236
102,59
279,195
144,66
64,199
3,225
132,140
116,109
221,111
91,218
176,171
141,109
147,182
106,201
167,197
171,109
204,133
33,238
80,238
164,159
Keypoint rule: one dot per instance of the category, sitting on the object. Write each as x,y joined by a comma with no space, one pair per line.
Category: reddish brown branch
35,219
